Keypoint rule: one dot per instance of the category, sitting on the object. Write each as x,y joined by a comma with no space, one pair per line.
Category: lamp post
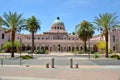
20,51
19,30
89,49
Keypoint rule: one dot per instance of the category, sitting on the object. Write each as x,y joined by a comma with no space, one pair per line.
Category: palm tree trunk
12,55
32,43
13,38
84,46
106,39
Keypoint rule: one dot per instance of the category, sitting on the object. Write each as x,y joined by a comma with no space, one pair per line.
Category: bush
2,51
35,51
96,55
26,57
8,46
46,52
81,51
40,51
76,51
115,56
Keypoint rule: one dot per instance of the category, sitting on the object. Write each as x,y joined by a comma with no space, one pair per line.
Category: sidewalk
36,73
62,67
60,72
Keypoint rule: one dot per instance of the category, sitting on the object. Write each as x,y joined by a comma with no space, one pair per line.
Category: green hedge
115,56
26,57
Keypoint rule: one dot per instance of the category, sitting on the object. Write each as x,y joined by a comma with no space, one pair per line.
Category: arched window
3,35
113,38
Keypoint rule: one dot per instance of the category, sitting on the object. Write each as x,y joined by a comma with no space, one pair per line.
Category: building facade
4,37
58,39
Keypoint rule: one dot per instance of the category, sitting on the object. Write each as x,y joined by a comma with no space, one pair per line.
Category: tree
13,21
8,45
73,33
101,45
106,22
32,26
85,31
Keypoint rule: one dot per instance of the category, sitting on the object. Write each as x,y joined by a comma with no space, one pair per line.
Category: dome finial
58,18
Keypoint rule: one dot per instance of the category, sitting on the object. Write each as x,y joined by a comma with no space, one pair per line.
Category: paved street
89,69
60,60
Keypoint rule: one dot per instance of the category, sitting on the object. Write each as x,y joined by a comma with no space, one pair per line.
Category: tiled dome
58,25
58,22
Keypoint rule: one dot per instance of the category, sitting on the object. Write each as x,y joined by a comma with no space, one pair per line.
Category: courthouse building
58,39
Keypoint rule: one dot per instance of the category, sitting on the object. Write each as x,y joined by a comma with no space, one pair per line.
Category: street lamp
89,49
19,30
20,50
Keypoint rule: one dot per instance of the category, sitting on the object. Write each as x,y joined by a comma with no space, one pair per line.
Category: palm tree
105,22
13,21
85,31
32,26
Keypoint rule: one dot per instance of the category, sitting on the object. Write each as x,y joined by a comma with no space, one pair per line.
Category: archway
95,49
59,47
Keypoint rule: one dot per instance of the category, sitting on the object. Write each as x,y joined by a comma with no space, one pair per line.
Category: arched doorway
46,47
23,47
95,49
59,47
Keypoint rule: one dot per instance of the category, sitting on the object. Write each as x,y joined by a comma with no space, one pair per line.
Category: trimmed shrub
76,51
96,55
81,52
115,56
46,51
26,57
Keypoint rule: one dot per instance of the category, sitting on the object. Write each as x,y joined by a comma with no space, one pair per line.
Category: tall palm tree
13,21
32,26
105,22
85,31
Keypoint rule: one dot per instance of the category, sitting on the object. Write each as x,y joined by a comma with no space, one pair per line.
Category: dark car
40,51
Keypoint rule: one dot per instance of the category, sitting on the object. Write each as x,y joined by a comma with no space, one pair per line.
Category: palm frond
33,24
85,30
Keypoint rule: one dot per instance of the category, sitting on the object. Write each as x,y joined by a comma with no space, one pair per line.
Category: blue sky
71,12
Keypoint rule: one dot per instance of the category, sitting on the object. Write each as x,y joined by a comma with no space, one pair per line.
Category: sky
71,12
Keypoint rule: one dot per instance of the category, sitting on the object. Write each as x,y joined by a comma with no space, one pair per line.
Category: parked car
30,52
40,51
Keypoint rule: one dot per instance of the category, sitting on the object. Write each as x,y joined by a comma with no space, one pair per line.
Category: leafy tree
85,31
13,21
32,26
17,44
106,22
101,44
8,45
73,33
